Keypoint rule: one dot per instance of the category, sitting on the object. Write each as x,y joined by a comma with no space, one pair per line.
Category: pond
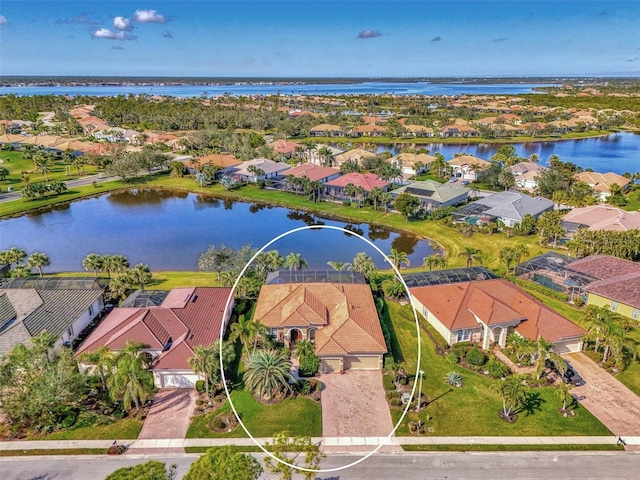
168,231
618,152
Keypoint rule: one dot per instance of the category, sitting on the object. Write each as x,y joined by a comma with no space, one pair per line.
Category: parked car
571,376
453,179
464,183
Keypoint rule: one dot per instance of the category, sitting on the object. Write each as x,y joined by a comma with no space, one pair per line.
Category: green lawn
297,416
473,409
91,428
63,451
169,280
510,448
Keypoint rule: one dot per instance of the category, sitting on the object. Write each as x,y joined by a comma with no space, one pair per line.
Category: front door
294,337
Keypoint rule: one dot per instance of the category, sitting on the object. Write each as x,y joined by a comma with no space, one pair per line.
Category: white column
486,338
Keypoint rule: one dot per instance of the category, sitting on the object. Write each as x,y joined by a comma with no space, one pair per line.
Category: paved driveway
354,405
605,397
170,414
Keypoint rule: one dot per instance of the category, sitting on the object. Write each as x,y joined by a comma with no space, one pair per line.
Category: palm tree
93,262
114,264
349,190
374,195
306,354
43,165
15,255
385,199
471,255
511,391
103,361
338,266
131,378
398,258
596,319
431,261
295,262
256,172
244,330
363,264
38,260
141,274
544,352
266,372
440,164
563,392
204,361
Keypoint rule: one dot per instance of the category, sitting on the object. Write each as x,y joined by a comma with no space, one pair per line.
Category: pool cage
57,283
314,276
473,213
444,277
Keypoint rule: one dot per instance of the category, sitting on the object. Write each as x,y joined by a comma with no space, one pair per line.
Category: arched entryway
295,335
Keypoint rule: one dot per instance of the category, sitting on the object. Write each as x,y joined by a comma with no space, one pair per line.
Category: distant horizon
321,39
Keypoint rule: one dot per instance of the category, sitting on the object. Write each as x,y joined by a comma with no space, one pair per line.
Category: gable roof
623,288
326,127
601,182
604,267
312,171
604,217
367,181
190,317
410,159
521,168
432,190
284,146
354,155
344,314
264,164
495,302
469,161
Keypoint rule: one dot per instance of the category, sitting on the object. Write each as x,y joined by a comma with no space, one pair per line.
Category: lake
361,88
618,152
169,230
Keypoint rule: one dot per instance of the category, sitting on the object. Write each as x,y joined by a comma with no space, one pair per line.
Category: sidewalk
346,442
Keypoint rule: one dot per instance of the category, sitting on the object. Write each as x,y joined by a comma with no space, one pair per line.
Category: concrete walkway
512,366
346,443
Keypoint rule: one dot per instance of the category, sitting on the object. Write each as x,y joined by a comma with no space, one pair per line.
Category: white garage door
329,365
176,380
568,347
361,362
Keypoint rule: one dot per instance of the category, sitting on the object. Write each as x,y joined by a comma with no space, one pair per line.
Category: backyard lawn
473,409
297,416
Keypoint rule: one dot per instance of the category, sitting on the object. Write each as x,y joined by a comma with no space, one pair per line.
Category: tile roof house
63,306
433,194
326,130
313,172
601,182
526,174
222,160
270,168
284,147
418,131
466,167
367,181
509,207
488,311
368,131
407,163
602,217
339,318
186,318
616,284
356,155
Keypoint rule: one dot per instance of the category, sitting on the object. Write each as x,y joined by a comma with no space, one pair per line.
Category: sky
320,38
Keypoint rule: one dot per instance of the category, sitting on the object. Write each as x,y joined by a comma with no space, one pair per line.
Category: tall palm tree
511,391
204,361
141,274
431,261
295,262
93,262
374,195
338,266
103,361
132,381
43,165
266,372
244,330
563,392
15,255
398,258
38,260
114,264
385,199
471,255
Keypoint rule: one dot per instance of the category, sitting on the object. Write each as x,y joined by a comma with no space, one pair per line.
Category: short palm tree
204,362
563,392
471,255
38,260
511,391
338,266
93,262
266,372
131,380
141,274
398,258
295,262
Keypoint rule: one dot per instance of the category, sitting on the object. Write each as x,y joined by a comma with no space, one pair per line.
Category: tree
113,264
216,259
398,258
38,260
471,255
267,372
528,225
223,463
289,450
4,173
20,271
103,363
406,204
563,392
177,168
434,261
43,165
511,391
363,264
206,361
131,380
13,255
440,164
151,470
385,199
244,330
375,195
338,266
141,274
306,354
549,226
295,262
506,155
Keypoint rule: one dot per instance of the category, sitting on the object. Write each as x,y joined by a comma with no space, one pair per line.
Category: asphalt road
418,466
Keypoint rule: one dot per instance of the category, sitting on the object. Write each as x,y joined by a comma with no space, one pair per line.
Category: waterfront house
433,194
526,174
63,306
326,130
243,172
368,181
169,325
487,311
407,162
314,172
509,207
356,155
467,167
601,217
601,182
340,319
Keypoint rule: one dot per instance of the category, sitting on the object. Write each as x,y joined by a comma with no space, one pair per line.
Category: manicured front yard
90,427
297,416
473,409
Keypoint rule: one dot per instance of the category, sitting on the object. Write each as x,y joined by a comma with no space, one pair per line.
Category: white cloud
148,16
110,35
122,23
3,20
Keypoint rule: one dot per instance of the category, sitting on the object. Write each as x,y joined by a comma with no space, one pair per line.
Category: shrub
302,387
395,402
476,357
387,382
200,386
497,369
461,349
454,379
578,301
452,358
393,394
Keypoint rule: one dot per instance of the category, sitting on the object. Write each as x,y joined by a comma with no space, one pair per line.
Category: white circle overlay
387,439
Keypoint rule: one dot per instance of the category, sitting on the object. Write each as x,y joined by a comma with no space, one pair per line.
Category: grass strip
62,451
510,448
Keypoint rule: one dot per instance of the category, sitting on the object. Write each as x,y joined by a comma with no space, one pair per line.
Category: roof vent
194,298
167,345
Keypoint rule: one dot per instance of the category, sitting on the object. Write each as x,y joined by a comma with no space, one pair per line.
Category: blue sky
320,38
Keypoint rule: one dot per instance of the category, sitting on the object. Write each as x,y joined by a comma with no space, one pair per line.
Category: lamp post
419,402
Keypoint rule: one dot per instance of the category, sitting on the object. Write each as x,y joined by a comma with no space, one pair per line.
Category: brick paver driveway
354,405
605,397
170,413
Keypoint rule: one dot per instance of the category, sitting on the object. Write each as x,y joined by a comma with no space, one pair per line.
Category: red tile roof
312,171
283,146
191,317
364,180
494,302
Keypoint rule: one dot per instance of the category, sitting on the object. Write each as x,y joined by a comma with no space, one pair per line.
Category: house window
635,313
70,332
274,333
464,335
424,312
614,306
312,335
91,311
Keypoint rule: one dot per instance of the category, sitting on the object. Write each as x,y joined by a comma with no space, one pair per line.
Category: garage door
568,347
329,365
175,380
361,362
